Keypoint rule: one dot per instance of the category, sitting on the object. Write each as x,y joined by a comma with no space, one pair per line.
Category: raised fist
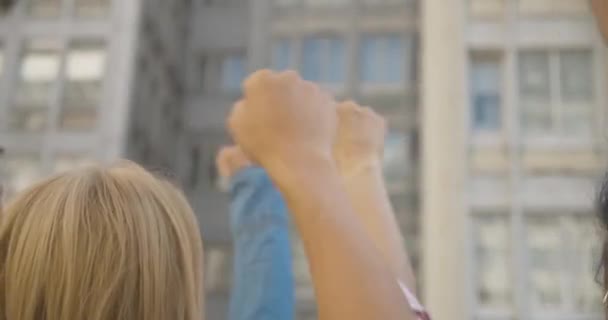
283,120
360,138
231,160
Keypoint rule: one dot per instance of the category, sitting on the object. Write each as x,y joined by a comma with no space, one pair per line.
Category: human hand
231,160
360,138
600,8
284,121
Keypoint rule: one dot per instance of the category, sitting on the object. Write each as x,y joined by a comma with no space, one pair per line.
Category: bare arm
351,280
367,192
358,153
288,125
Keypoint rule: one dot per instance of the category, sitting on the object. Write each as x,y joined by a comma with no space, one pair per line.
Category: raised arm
263,284
288,126
358,154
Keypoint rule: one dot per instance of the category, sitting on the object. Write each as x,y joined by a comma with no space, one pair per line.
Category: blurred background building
514,143
496,110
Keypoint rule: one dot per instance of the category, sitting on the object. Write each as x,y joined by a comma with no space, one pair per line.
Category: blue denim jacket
263,284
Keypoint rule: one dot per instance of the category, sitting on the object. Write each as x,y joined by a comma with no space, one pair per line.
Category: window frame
408,50
557,135
326,41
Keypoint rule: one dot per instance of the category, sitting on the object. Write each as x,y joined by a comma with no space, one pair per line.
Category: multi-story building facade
509,116
60,103
514,145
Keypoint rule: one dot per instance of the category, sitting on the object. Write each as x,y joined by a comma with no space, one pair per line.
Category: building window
383,60
493,289
218,269
556,92
233,72
285,3
282,54
92,8
86,66
322,3
39,69
397,161
323,60
44,8
562,251
68,162
1,60
486,92
487,8
23,170
553,7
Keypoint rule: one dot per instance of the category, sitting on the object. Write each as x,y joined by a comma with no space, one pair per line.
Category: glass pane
311,59
22,171
92,8
584,243
371,57
534,77
382,59
326,2
535,92
545,255
1,60
395,59
323,60
281,55
233,72
218,269
493,259
486,82
577,76
69,162
86,66
336,66
487,8
396,160
37,77
44,8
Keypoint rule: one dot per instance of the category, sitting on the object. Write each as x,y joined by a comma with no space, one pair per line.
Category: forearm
367,192
351,280
263,286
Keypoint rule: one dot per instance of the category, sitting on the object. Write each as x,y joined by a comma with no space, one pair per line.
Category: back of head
100,244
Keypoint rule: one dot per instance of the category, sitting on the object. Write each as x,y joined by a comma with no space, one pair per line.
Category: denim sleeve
263,284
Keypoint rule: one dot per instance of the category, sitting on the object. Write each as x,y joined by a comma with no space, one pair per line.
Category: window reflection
218,269
282,54
37,78
85,71
493,259
68,162
22,171
323,60
544,249
486,87
44,8
383,59
1,60
92,8
234,70
396,161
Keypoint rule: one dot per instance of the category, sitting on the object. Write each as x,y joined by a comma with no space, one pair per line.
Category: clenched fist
283,120
231,160
360,138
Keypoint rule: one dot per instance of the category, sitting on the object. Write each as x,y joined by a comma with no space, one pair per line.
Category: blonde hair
101,243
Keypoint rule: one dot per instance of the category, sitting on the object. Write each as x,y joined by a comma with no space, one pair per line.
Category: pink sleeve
414,303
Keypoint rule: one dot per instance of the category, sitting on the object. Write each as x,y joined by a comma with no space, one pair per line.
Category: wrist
298,167
353,166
